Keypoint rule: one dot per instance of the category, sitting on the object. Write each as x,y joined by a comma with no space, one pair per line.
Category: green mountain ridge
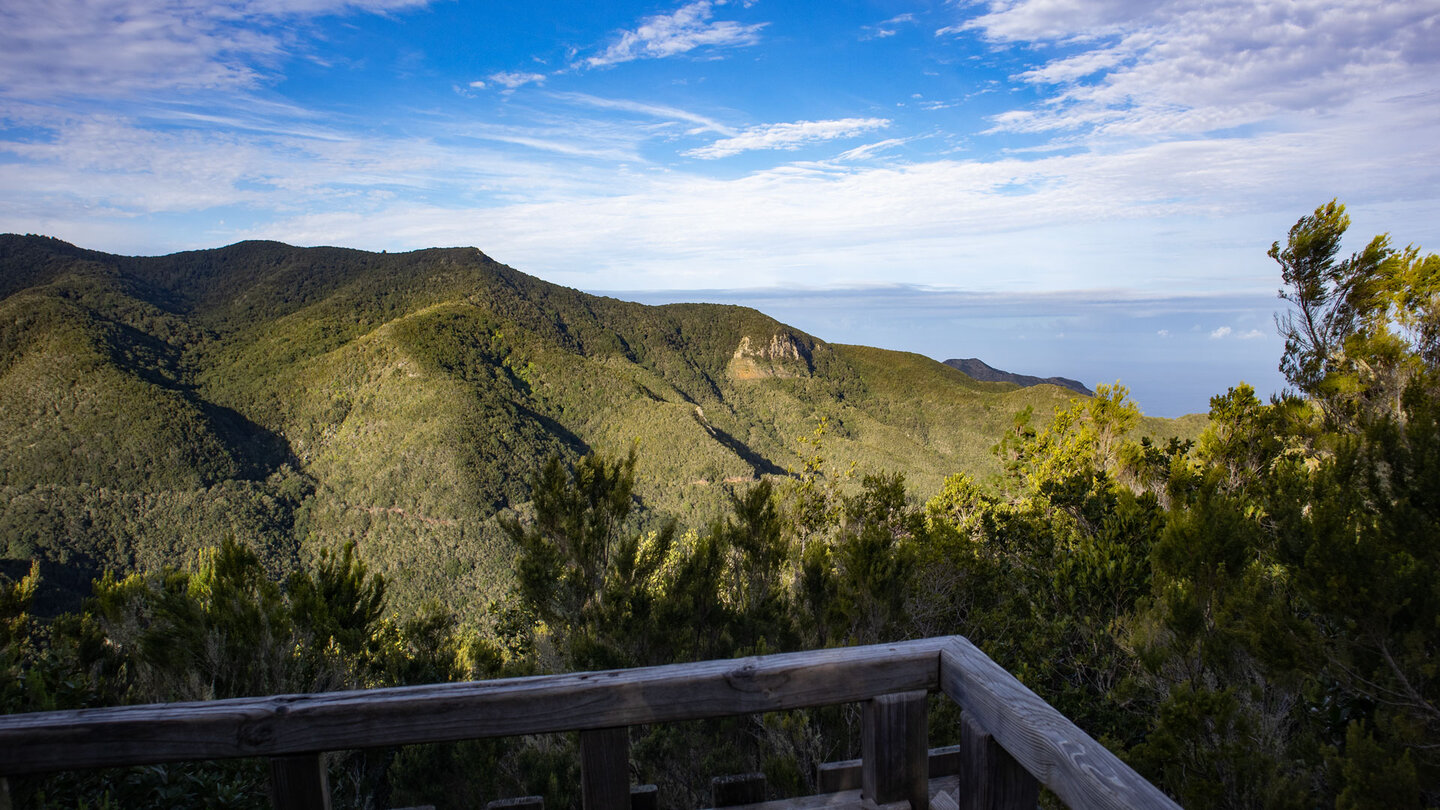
981,370
298,398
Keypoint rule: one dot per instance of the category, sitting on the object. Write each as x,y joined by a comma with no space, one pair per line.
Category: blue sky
1074,187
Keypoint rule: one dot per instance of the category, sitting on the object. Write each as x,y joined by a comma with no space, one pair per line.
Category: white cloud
686,29
1076,20
888,28
1072,68
1253,334
703,123
1193,215
1192,67
96,171
787,136
560,142
1221,332
1164,333
511,80
118,48
870,150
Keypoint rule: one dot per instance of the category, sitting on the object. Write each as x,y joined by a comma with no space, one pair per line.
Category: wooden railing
1011,740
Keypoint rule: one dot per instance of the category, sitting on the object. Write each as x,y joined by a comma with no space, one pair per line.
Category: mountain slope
299,398
980,370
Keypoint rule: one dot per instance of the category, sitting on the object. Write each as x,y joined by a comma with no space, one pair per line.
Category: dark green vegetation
1250,618
298,399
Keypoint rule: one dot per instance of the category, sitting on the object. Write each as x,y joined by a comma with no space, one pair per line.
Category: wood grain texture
268,726
1081,771
894,761
991,779
605,769
299,782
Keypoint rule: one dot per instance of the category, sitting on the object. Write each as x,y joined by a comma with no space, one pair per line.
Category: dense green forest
1249,613
301,399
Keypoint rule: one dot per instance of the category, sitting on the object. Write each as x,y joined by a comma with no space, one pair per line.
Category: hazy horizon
1173,353
1087,152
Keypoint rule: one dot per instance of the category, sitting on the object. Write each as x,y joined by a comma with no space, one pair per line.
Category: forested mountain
1249,618
298,399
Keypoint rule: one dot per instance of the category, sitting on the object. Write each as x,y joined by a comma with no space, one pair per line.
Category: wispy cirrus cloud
662,111
787,136
116,48
511,79
870,150
1190,68
687,28
888,28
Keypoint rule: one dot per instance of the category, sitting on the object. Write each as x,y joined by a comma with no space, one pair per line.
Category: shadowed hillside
298,398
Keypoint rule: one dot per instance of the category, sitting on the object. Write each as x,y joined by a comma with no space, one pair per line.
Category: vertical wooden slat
991,779
893,739
299,782
5,803
605,769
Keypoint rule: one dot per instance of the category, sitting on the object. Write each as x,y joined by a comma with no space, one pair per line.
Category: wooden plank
940,791
644,797
894,761
517,803
245,727
299,782
833,777
1081,771
605,769
991,779
844,800
944,761
737,789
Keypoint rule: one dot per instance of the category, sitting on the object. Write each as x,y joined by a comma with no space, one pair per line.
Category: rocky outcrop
783,356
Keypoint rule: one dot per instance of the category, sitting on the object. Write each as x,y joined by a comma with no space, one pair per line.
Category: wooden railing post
283,728
894,750
299,782
605,769
991,779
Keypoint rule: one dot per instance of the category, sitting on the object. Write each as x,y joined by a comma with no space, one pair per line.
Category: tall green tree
585,568
1359,329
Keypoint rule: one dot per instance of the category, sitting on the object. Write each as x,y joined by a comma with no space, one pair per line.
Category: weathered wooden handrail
1081,771
893,678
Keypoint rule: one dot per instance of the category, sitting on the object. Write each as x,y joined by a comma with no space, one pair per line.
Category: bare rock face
783,356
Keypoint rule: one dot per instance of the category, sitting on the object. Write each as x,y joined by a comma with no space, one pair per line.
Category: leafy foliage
1248,613
301,399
